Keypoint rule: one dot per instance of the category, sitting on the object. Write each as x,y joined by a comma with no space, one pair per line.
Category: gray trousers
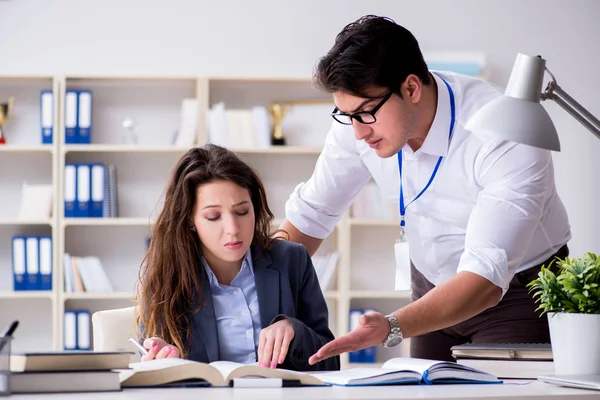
513,320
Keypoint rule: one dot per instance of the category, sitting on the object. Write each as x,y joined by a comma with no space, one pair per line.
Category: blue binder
70,330
70,190
82,201
47,115
32,256
84,116
19,263
97,191
45,253
71,129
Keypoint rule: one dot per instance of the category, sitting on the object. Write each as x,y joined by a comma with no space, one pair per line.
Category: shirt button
249,332
235,292
244,313
251,356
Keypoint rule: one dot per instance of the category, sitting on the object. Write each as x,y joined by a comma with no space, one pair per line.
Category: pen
8,333
140,348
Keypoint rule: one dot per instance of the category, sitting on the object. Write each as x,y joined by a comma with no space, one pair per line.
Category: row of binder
368,355
78,116
77,330
90,191
32,262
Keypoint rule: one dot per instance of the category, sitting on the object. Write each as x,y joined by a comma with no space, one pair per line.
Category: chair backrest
112,329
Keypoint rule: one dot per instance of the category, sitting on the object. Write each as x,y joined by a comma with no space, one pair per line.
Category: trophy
277,112
5,110
129,134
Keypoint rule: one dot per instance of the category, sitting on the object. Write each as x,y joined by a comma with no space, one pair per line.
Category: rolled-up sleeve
515,181
317,205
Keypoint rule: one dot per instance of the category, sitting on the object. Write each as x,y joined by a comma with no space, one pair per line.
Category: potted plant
571,300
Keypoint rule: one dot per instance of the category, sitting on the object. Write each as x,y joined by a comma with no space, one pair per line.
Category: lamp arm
577,111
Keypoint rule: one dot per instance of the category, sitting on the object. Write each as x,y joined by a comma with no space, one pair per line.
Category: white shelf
19,222
274,150
26,294
121,148
373,222
261,79
99,296
107,222
378,294
8,148
121,249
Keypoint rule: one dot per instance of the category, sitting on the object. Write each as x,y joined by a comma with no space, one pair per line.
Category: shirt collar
436,142
247,263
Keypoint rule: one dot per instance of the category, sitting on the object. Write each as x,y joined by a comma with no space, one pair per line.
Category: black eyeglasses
364,117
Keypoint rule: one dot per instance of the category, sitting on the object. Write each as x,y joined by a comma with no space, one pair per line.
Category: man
481,216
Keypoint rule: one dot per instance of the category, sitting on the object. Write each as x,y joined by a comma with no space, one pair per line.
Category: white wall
274,37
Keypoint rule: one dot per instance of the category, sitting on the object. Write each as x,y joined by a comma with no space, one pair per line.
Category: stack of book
61,372
508,361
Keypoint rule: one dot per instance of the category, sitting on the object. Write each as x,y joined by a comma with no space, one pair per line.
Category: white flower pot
575,343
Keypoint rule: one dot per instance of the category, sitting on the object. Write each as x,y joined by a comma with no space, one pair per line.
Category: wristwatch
395,336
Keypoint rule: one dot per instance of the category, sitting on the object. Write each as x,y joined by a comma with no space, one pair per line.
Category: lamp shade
518,115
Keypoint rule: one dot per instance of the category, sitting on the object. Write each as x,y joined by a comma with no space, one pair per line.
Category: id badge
401,253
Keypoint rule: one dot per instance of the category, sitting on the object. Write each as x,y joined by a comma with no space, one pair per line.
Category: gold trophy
277,112
5,110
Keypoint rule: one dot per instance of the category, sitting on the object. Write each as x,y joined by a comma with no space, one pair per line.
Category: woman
215,286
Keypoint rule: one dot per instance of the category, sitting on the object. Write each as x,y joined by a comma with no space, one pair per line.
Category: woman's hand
158,348
274,342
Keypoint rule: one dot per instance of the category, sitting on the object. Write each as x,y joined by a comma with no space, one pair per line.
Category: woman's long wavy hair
169,288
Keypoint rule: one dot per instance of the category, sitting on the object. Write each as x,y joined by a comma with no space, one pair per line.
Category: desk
513,390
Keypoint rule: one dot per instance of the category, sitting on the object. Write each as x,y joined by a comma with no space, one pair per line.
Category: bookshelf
365,272
24,159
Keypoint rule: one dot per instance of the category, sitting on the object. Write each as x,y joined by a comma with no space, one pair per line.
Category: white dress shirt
492,208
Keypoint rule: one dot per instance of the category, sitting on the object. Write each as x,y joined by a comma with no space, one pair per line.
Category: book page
231,370
227,367
411,364
438,369
368,376
168,370
159,363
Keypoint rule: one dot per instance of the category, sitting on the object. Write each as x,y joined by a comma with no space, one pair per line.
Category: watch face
394,341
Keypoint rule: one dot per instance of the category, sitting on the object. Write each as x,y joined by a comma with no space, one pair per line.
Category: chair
111,330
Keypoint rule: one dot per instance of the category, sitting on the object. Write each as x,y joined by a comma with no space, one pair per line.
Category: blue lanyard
437,165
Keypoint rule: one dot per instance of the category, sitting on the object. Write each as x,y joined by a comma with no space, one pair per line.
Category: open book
408,371
219,373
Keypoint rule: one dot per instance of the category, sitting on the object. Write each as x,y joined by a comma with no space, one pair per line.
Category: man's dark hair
372,51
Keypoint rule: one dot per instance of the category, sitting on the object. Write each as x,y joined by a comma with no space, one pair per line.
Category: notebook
408,371
166,371
591,381
513,351
69,361
64,381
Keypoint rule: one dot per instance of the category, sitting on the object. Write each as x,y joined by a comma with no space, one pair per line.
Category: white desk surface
513,390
